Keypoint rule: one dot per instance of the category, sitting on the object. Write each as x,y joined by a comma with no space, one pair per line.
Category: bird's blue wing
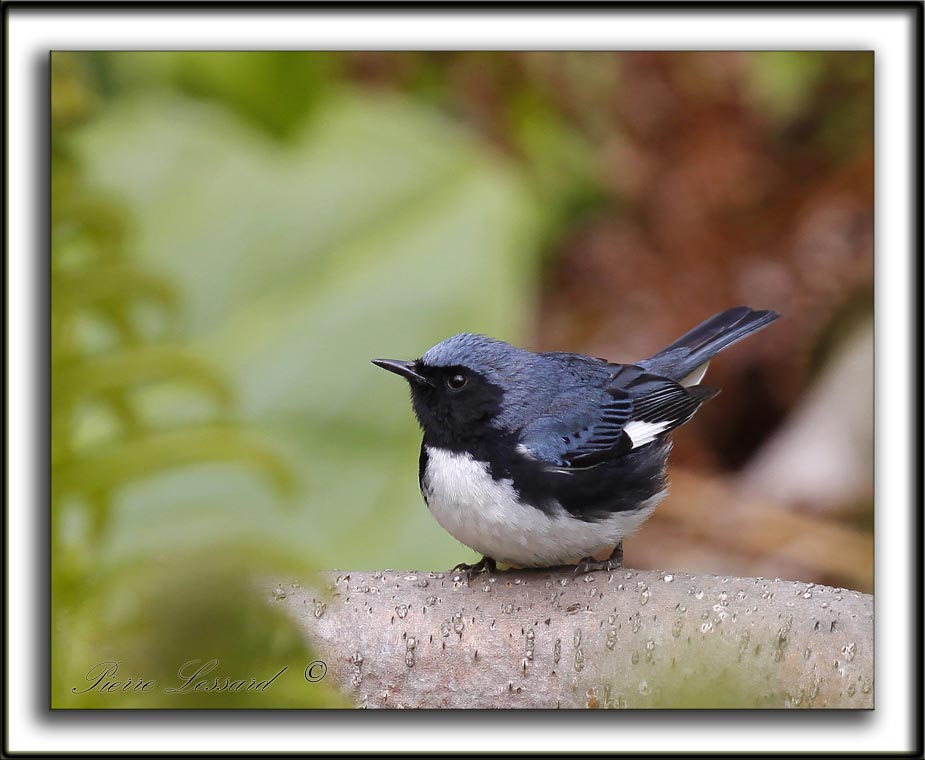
579,432
634,409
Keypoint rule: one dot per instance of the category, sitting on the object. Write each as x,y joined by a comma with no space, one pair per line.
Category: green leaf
124,370
273,90
378,230
118,464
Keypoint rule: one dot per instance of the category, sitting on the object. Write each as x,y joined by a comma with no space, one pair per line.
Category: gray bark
629,638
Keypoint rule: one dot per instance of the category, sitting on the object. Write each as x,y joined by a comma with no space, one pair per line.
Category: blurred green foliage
273,91
234,238
377,230
195,624
784,82
787,86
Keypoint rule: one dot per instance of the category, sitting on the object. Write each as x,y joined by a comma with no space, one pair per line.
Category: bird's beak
405,369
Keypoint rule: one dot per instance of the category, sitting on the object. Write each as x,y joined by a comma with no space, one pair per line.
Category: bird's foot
484,565
589,564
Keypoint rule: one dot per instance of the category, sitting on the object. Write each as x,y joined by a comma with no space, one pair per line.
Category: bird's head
466,386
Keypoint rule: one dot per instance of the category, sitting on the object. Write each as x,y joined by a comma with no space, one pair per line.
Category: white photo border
892,30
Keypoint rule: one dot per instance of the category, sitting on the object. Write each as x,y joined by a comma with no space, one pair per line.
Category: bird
541,460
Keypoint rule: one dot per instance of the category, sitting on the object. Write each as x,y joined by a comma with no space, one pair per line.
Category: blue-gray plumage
539,459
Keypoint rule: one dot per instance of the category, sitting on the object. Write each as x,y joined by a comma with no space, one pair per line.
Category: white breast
486,516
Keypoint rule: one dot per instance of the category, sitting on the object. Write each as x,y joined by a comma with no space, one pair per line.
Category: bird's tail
685,360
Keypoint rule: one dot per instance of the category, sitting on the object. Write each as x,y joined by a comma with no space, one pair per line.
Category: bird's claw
589,565
613,562
484,565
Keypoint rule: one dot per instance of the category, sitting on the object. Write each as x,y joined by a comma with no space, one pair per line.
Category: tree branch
629,638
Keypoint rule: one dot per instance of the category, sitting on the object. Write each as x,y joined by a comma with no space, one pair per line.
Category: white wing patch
696,376
524,451
642,433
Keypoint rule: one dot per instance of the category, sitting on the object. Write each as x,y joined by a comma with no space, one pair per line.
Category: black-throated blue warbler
545,459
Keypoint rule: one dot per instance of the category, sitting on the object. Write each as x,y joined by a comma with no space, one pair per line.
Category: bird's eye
455,382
